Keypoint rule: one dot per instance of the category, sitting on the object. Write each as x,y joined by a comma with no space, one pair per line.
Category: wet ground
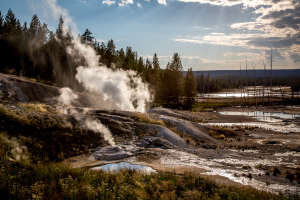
260,147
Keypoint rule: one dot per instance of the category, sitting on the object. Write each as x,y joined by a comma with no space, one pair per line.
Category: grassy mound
46,137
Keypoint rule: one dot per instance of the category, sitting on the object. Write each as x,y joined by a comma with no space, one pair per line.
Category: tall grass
143,118
36,107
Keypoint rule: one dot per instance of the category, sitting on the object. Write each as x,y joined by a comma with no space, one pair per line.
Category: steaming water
262,116
125,165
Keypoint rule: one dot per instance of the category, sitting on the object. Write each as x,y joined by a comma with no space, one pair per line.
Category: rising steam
123,88
67,96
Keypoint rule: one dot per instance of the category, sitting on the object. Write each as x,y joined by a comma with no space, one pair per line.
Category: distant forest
32,51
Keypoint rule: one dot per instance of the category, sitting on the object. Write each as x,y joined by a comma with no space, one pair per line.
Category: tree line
33,51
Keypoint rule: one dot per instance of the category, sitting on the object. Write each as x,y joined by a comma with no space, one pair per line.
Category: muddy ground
248,155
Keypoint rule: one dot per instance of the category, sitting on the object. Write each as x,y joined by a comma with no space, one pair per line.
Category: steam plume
124,88
66,97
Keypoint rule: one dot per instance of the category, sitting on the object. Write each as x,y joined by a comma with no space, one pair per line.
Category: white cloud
139,5
188,40
147,0
125,3
246,3
108,2
82,1
162,2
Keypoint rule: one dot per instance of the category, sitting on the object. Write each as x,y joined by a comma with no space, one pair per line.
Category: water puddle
262,116
114,167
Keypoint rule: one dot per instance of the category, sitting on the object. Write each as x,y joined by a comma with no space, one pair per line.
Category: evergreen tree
60,30
155,75
190,89
129,59
10,23
34,27
120,58
1,24
110,53
176,82
140,67
86,38
69,36
165,92
148,70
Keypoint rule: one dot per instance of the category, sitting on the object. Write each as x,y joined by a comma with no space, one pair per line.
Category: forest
35,52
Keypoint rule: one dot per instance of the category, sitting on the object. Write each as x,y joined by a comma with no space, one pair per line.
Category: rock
110,153
154,142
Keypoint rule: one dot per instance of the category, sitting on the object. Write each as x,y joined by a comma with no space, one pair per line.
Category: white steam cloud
66,97
18,151
123,88
97,126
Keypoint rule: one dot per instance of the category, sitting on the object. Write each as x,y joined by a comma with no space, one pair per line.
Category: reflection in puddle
262,116
124,165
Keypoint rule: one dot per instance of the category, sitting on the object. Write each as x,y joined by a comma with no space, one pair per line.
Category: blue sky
207,34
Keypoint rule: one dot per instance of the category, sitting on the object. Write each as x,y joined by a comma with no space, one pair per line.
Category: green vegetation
144,118
46,137
37,107
20,180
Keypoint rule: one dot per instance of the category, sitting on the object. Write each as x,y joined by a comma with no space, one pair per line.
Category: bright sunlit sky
207,34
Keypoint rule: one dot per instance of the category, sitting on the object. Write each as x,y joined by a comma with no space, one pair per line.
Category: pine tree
190,89
148,70
86,38
10,23
155,75
176,82
140,66
34,27
110,53
165,92
60,30
1,24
